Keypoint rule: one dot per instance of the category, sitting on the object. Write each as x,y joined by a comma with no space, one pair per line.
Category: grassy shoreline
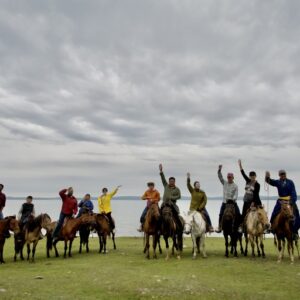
126,274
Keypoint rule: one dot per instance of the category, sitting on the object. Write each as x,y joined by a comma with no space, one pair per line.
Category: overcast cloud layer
98,93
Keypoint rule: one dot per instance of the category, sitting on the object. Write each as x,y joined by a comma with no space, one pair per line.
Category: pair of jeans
111,221
143,216
1,215
60,223
206,216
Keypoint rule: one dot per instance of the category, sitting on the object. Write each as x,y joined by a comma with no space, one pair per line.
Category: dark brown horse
152,228
282,227
19,240
169,229
33,232
230,228
103,229
9,223
49,235
68,232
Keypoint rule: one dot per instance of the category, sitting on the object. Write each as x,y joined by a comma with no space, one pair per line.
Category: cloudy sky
98,93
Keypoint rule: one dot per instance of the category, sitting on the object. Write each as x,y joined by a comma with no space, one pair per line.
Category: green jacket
199,199
170,193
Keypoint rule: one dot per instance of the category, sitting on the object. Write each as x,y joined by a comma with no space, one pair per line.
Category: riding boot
6,234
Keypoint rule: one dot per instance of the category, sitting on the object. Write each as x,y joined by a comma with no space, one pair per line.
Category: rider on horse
171,195
252,188
230,194
68,209
105,206
198,201
26,210
152,196
86,205
286,192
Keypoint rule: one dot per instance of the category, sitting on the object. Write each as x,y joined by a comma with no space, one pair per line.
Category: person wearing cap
198,201
152,196
68,209
252,189
104,203
286,192
171,195
2,201
230,193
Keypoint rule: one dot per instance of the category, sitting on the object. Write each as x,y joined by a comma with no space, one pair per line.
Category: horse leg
234,243
33,249
198,244
154,245
55,248
257,247
226,245
159,246
65,249
280,252
297,247
28,251
113,240
179,245
147,246
291,249
1,252
194,239
246,244
167,246
202,245
251,238
241,244
262,246
87,242
80,243
70,248
21,251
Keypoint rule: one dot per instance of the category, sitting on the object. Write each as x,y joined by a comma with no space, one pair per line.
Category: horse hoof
204,256
178,257
167,258
194,257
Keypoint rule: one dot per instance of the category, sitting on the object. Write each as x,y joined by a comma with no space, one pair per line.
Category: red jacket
69,206
2,200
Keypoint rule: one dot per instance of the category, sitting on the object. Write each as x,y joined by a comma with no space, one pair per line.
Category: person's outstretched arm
247,179
162,175
188,183
220,175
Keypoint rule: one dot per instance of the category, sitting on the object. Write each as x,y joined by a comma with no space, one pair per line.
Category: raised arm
220,175
62,194
247,179
188,183
269,180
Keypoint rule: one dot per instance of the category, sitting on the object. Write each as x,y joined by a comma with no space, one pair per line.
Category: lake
126,212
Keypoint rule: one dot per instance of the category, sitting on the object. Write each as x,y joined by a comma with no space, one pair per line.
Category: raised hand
268,175
240,164
160,167
188,175
220,167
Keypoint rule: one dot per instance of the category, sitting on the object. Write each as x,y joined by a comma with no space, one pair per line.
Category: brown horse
103,229
9,223
282,227
256,223
33,232
68,232
230,226
169,229
152,227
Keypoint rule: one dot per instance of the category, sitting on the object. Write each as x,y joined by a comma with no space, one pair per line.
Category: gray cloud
141,82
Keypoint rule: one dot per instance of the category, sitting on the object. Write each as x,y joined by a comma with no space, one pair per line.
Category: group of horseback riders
286,191
69,208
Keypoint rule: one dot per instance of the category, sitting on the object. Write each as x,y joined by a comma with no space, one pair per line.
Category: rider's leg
142,218
207,219
276,211
59,225
219,229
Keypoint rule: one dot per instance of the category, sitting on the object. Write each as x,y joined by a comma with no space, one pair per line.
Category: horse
103,230
33,232
8,223
169,228
256,223
152,227
19,241
68,232
282,228
196,225
230,228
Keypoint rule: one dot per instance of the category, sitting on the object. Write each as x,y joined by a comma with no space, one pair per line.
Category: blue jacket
285,188
88,204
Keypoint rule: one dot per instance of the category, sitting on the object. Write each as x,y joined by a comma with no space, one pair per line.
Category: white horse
196,225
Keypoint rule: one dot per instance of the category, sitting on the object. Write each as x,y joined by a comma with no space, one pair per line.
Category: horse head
287,210
229,212
263,217
14,225
154,211
45,220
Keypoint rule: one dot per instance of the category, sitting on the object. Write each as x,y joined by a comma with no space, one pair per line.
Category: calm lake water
126,212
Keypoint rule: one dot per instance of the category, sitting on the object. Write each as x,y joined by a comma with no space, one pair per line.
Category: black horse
230,228
170,229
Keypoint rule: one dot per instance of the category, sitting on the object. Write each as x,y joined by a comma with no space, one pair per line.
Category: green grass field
126,274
